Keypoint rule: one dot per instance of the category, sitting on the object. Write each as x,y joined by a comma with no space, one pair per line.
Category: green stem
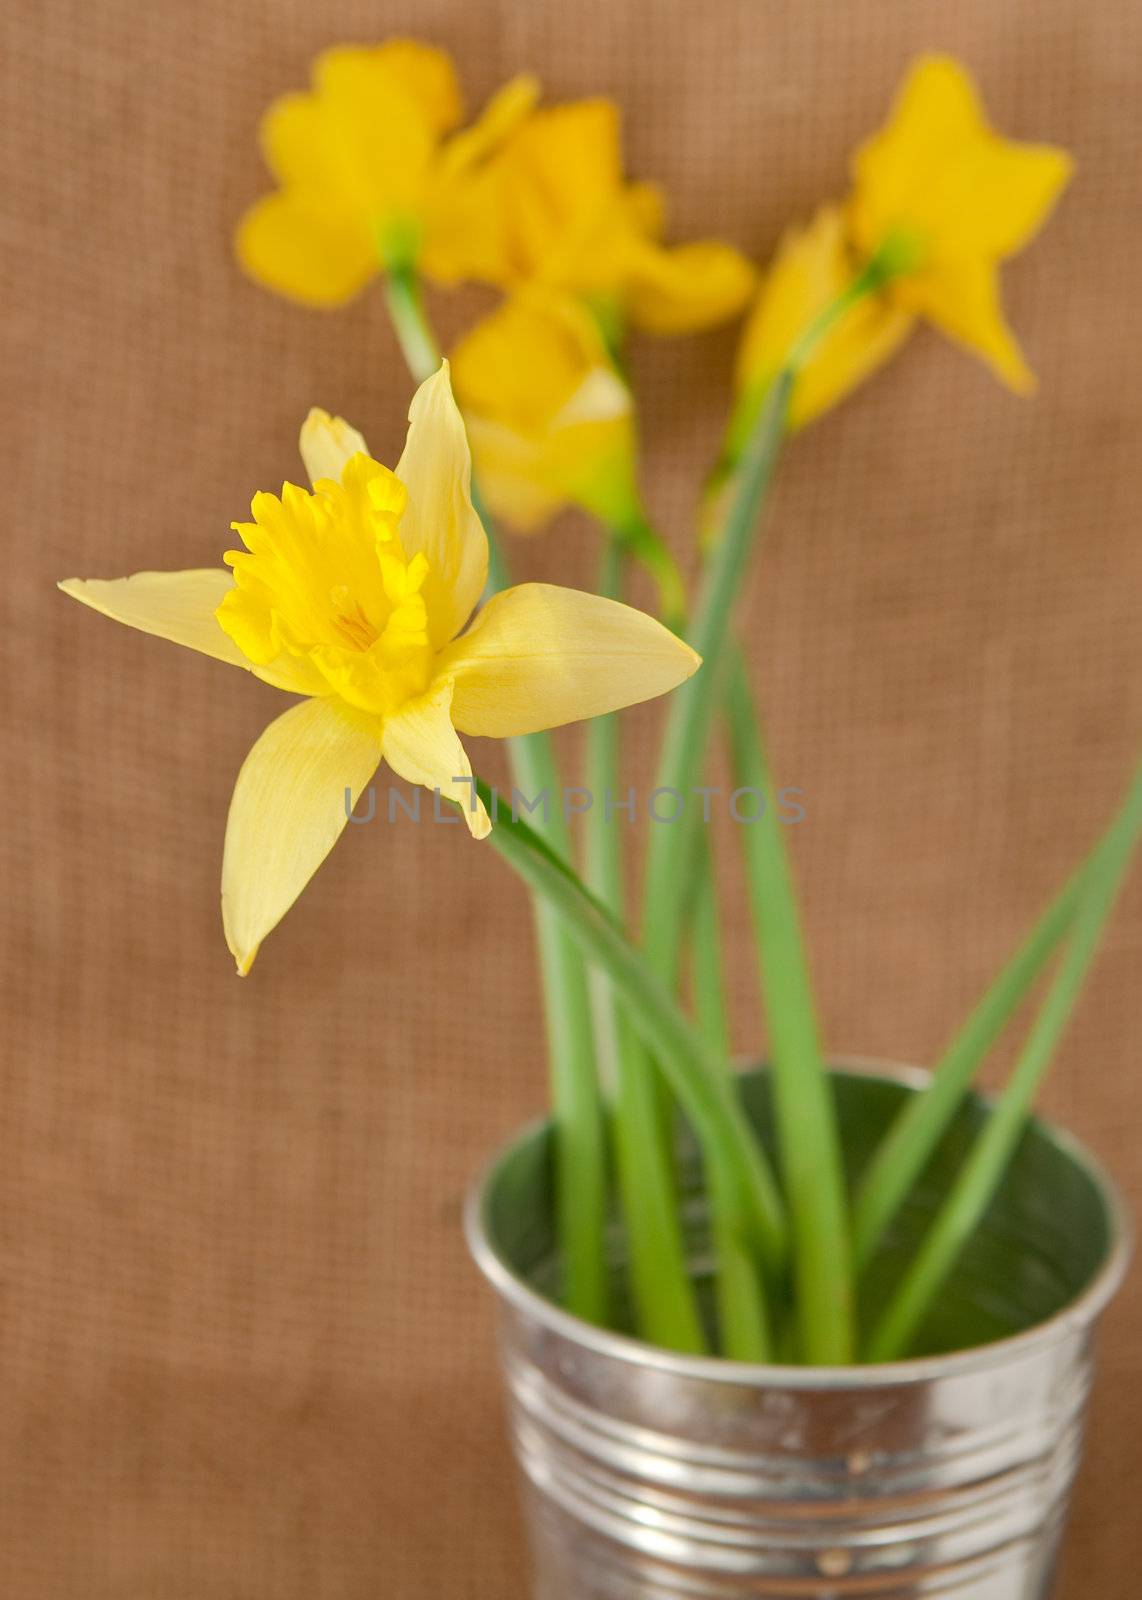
983,1171
671,848
743,1319
665,1305
581,1164
743,1316
876,272
707,972
692,707
644,1120
808,1137
576,1097
604,853
918,1128
729,1145
410,324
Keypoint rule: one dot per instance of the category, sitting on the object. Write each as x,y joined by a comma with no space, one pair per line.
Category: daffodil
811,269
369,170
550,420
950,199
359,595
552,207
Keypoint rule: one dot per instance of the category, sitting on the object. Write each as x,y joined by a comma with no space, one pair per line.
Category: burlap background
243,1354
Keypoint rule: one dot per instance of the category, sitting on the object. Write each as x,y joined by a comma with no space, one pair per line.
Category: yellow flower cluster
363,593
374,178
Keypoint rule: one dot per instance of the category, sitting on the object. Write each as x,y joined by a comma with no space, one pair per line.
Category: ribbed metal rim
1080,1313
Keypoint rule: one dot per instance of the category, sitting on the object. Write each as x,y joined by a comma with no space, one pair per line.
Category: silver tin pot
655,1476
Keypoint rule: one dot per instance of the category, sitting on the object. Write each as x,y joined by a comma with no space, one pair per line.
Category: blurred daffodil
811,270
358,596
552,208
938,201
550,420
950,199
369,170
812,267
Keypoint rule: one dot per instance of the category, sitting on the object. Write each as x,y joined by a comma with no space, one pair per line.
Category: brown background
243,1354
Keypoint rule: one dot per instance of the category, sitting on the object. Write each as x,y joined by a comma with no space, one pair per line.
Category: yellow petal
439,520
421,746
936,109
464,224
645,206
1009,190
501,116
182,607
513,482
287,813
362,76
178,606
549,419
688,287
295,139
383,112
567,163
301,246
536,210
523,362
526,479
938,171
537,656
327,444
962,299
353,158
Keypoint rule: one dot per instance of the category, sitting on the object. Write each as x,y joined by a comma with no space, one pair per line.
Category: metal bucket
650,1474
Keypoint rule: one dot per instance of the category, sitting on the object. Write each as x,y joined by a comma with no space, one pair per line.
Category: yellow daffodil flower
551,207
359,595
549,419
813,265
952,199
368,175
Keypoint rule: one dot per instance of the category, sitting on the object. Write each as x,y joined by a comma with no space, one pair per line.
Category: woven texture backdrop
244,1356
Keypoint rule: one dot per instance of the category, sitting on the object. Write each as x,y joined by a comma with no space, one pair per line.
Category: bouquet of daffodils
382,598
